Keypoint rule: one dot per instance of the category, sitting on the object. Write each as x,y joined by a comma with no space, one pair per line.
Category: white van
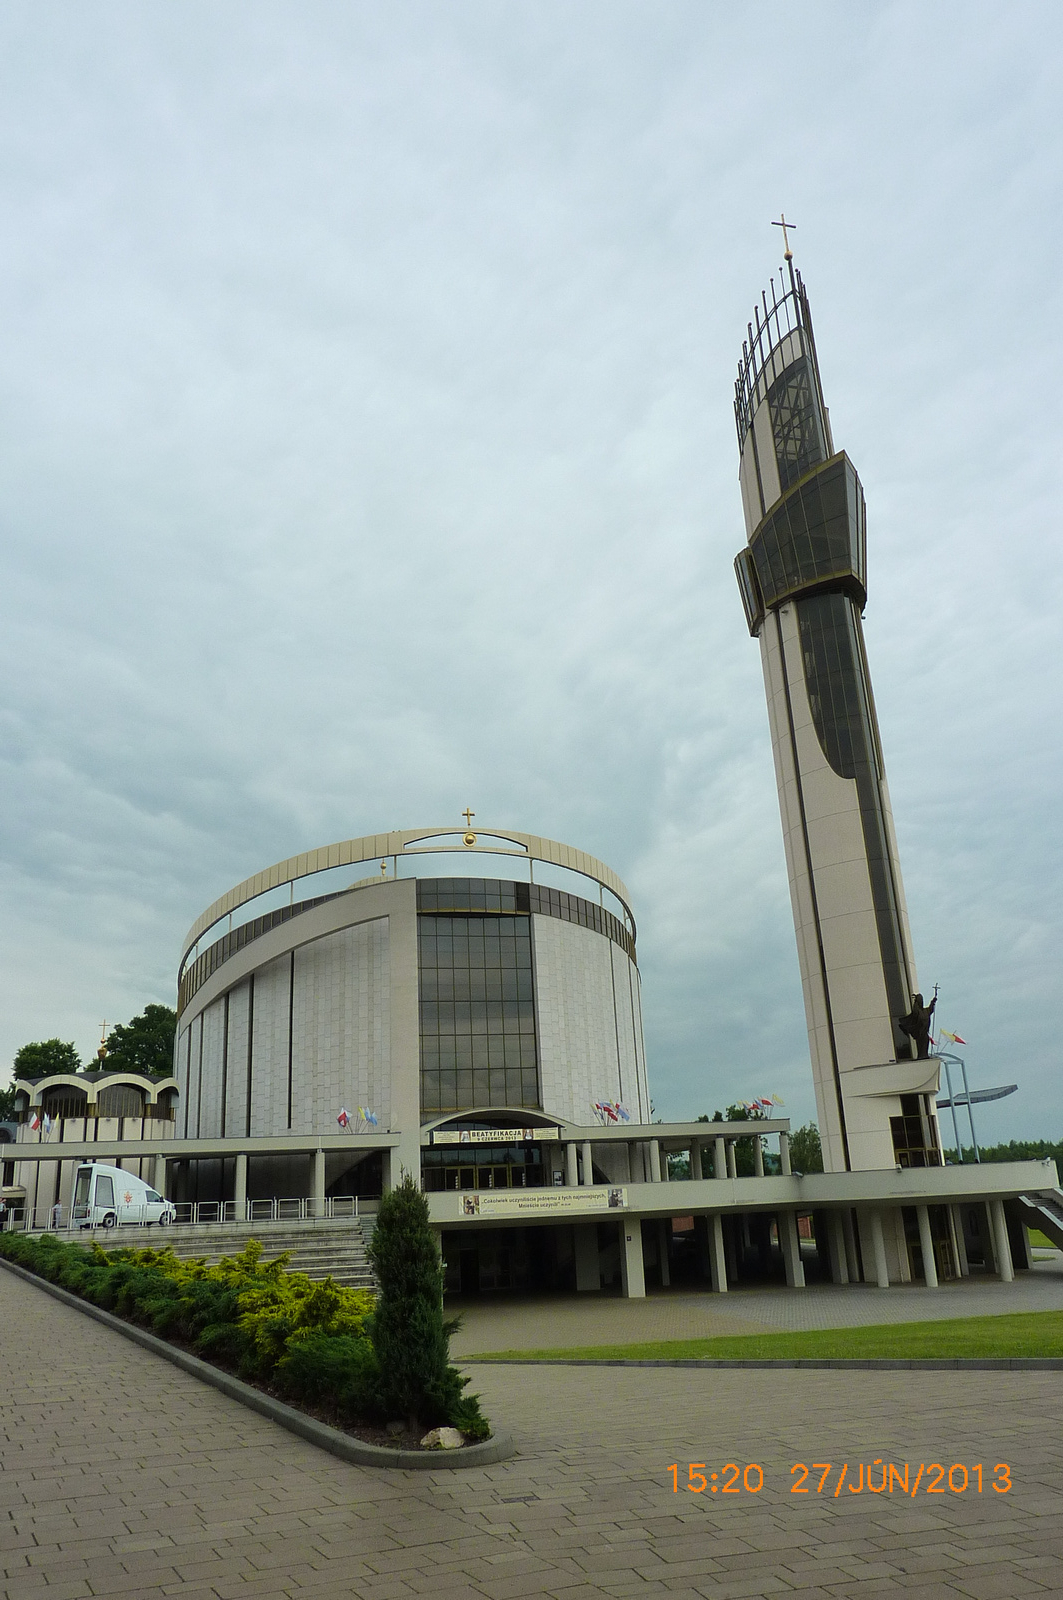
106,1196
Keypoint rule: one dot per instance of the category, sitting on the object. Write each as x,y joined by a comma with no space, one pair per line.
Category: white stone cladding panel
629,1036
184,1045
190,1080
898,884
208,1125
236,1072
269,1049
341,1055
180,1072
579,1020
769,467
801,893
640,1044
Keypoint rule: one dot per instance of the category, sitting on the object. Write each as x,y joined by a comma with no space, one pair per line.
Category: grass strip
1024,1333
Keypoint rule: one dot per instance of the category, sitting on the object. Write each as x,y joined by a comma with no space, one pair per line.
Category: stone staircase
1044,1212
321,1249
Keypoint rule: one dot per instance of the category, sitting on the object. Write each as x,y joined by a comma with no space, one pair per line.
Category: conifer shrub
409,1333
315,1342
332,1369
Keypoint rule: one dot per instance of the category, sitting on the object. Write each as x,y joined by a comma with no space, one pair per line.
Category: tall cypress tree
410,1335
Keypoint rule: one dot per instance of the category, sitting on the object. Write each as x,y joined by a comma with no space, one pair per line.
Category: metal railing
187,1213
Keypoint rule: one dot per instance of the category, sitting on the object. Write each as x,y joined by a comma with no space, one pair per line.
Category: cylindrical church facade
459,977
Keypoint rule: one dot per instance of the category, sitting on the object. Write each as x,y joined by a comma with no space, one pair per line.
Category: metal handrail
189,1213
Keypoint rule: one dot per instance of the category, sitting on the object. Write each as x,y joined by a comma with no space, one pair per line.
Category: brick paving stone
123,1476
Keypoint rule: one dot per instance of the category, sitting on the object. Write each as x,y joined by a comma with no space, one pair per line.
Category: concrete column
878,1246
719,1158
839,1270
852,1255
791,1249
784,1154
588,1165
758,1156
926,1244
730,1252
317,1186
664,1239
1001,1243
588,1270
959,1243
158,1175
653,1151
732,1171
240,1186
695,1159
631,1264
571,1171
988,1236
717,1255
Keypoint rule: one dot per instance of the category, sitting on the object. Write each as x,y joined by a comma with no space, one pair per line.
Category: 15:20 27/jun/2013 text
815,1477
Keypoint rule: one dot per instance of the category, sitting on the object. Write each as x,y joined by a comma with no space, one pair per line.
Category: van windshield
81,1186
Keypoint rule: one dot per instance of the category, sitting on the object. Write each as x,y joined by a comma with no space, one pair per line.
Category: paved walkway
568,1321
124,1477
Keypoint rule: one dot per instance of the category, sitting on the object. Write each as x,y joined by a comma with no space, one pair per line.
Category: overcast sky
367,452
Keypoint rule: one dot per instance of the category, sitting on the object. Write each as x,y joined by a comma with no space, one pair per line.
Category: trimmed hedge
311,1341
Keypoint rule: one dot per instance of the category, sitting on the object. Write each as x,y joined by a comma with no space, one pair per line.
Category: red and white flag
35,1122
344,1117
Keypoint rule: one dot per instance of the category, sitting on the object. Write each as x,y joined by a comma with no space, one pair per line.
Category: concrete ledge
882,1364
498,1448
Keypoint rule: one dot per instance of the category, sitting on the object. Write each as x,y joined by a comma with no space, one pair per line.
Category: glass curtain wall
477,998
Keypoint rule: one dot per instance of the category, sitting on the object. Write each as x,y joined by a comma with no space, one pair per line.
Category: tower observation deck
803,580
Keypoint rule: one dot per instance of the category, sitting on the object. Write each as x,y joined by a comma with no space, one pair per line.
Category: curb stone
871,1364
356,1451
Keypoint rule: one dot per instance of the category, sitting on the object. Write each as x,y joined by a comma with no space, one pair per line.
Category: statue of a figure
917,1025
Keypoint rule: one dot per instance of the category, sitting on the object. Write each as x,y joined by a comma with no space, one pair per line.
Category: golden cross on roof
468,815
784,225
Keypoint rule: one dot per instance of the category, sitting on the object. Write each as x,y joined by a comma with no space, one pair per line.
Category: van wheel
165,1220
109,1220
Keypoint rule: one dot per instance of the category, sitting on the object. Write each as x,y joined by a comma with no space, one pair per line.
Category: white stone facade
589,1022
319,1010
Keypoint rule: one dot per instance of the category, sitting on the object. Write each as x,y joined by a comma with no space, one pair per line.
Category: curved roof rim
455,840
373,846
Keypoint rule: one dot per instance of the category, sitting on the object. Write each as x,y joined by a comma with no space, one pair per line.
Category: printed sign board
493,1135
539,1202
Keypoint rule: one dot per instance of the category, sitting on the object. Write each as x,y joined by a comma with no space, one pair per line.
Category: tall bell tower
803,579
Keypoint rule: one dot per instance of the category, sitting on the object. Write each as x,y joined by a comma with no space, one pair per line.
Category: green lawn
1040,1241
1032,1333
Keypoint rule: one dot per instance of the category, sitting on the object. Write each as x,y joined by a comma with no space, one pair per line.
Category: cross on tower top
788,254
468,815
